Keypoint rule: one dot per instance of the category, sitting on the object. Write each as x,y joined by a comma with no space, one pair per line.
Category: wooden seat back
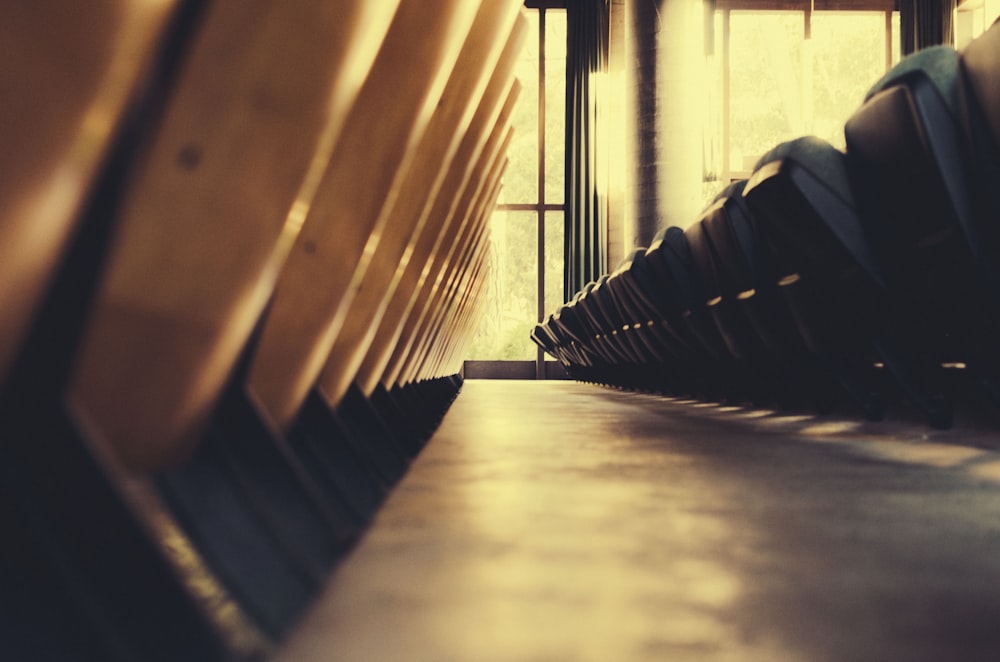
432,99
411,215
208,219
444,300
432,357
911,174
345,222
430,296
402,312
70,73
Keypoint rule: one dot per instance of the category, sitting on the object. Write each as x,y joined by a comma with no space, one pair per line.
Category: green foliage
511,308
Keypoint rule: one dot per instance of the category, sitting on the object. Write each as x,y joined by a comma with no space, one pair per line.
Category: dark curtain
924,23
587,26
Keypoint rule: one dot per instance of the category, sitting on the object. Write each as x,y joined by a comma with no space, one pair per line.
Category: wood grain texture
450,331
261,97
411,214
438,270
454,286
465,320
432,297
495,109
69,71
364,174
453,260
459,279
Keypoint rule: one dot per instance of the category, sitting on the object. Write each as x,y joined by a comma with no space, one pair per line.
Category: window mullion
888,39
540,215
726,165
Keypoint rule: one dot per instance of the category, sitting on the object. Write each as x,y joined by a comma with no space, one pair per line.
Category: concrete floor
561,521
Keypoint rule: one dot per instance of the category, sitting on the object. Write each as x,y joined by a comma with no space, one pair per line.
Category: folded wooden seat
663,360
199,155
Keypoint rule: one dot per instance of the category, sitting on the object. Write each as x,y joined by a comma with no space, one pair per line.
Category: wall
663,120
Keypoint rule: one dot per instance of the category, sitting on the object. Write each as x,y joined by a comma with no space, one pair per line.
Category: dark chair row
864,274
241,249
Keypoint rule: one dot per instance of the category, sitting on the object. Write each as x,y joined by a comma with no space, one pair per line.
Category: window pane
848,56
765,98
520,184
554,259
512,290
555,105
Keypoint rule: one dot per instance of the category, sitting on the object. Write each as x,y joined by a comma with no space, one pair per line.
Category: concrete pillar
642,39
666,60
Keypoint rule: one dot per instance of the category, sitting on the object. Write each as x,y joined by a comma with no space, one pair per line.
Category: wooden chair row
241,250
827,276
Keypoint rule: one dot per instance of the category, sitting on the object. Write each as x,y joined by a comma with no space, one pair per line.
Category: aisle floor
563,521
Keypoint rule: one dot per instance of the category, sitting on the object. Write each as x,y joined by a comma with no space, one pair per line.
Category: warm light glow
757,413
786,419
831,428
929,454
747,294
680,82
790,279
614,131
986,470
806,80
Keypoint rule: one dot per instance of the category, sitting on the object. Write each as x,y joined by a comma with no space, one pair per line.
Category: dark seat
751,311
826,269
600,336
752,371
620,329
910,169
664,355
573,326
679,297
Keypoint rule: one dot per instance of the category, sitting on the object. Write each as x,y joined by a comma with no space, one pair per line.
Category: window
972,17
787,68
526,256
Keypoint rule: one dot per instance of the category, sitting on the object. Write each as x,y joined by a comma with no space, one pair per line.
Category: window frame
500,368
725,7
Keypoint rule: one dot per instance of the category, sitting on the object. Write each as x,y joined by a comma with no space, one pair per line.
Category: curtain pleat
587,25
924,23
